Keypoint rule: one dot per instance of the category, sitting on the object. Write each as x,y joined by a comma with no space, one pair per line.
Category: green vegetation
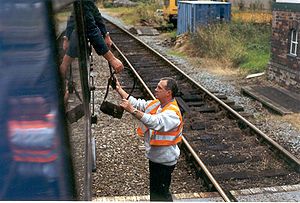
147,12
256,61
176,53
245,45
169,34
143,12
126,14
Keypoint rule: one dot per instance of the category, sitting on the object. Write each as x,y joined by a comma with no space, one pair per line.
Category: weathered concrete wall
284,68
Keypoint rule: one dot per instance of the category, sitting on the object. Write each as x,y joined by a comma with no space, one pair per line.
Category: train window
35,157
294,42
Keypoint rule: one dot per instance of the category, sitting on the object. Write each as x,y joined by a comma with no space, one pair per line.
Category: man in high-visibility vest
162,130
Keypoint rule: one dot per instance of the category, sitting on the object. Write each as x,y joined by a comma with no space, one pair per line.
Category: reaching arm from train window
69,29
70,26
101,26
98,19
96,39
99,22
93,31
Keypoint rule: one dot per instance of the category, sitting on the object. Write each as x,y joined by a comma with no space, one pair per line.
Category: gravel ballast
274,126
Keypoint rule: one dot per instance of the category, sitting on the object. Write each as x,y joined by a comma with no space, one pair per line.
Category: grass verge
244,42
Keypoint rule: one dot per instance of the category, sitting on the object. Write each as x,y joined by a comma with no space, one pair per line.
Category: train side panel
35,161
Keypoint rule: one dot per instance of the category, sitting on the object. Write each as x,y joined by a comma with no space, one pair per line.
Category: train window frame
294,42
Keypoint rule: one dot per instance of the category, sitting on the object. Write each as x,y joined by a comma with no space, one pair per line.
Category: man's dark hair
171,85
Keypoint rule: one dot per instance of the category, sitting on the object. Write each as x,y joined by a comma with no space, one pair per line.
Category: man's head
166,89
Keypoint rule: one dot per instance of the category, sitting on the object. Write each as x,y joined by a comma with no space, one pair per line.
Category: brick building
284,66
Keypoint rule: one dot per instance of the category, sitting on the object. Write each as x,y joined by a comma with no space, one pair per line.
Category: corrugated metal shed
192,14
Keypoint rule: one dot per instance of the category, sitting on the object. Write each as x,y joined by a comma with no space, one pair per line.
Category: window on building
294,42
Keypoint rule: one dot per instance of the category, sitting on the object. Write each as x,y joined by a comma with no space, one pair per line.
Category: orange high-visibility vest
159,138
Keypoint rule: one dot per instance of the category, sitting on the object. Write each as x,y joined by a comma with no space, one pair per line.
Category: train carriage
36,161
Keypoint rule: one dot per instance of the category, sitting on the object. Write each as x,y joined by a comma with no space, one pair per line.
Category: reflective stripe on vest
171,137
32,141
165,138
37,156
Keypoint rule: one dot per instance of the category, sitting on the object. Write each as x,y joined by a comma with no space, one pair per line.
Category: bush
244,45
216,41
146,12
108,4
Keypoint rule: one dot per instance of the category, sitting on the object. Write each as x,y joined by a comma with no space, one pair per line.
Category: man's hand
118,85
113,61
129,108
116,64
126,105
120,90
65,43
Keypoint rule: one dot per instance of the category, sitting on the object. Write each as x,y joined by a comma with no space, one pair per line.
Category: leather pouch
109,108
112,109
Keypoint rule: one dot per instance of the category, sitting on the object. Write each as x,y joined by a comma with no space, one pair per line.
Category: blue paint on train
35,159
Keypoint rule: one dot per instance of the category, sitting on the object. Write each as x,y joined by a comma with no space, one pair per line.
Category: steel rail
133,70
196,157
206,171
294,161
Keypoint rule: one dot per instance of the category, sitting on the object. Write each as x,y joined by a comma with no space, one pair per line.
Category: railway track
231,151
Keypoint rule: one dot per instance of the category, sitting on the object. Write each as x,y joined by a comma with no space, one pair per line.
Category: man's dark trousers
160,180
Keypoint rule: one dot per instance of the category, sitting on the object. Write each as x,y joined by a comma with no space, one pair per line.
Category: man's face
161,91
